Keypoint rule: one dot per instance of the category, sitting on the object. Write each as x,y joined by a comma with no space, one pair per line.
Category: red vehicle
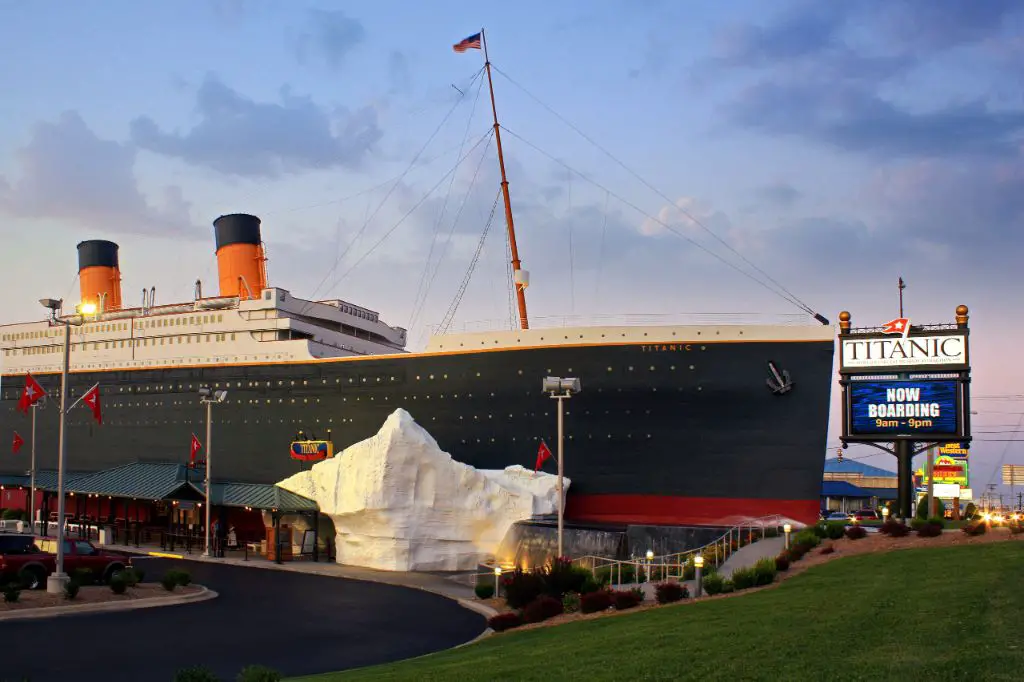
865,515
31,559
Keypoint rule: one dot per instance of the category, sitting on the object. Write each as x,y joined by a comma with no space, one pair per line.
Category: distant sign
1013,474
889,352
946,491
925,408
312,450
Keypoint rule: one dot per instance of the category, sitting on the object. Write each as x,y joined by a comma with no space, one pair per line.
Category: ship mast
520,280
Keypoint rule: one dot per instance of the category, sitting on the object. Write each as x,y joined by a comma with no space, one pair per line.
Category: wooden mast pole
520,286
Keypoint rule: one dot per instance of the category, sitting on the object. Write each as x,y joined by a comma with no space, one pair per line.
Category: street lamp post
561,388
209,397
787,529
57,580
32,475
698,564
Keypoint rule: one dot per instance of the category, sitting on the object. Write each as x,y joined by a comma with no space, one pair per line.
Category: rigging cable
423,287
408,168
791,297
451,233
446,321
658,221
485,136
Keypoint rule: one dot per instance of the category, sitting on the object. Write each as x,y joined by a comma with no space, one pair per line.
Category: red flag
18,442
92,399
901,325
543,455
31,394
196,446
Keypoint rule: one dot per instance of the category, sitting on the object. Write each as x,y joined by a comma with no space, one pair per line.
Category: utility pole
931,478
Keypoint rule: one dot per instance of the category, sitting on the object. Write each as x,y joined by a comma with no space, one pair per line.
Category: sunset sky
836,146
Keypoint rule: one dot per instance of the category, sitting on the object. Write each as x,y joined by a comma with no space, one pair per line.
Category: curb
106,607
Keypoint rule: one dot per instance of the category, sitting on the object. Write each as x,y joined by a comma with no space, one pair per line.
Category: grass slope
929,614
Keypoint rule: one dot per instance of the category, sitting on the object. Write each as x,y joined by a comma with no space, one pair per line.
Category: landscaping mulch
93,594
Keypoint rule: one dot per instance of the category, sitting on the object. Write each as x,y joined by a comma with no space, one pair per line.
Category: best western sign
946,351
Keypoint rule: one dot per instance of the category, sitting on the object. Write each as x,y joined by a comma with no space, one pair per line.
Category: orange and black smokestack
98,274
240,257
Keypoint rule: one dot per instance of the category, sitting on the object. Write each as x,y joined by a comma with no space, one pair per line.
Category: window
84,548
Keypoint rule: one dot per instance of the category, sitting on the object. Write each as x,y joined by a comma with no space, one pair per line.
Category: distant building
851,485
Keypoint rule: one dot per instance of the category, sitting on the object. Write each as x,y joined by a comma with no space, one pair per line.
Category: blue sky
837,146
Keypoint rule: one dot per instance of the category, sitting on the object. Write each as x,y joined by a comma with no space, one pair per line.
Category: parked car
865,515
838,516
30,560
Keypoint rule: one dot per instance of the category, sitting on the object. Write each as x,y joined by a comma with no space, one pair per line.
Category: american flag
470,43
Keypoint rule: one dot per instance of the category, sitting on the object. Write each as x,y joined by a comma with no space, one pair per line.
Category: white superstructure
208,331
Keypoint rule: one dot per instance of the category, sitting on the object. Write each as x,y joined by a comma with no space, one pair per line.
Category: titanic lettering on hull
915,351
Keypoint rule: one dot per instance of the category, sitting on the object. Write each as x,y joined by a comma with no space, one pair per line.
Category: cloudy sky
736,159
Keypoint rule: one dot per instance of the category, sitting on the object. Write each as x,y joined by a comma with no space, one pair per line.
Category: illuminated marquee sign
924,409
939,350
312,450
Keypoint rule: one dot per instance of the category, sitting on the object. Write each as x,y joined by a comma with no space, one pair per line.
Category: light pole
698,564
787,529
497,581
32,473
650,558
209,397
560,389
57,580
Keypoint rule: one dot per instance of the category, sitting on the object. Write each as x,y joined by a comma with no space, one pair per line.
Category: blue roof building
852,466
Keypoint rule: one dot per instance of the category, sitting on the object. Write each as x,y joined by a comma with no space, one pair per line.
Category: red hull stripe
683,511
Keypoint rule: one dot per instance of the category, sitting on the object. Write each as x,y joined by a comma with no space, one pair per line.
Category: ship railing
626,319
681,564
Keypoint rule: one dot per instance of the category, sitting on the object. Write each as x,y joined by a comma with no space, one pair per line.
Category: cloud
332,36
239,136
68,173
779,194
852,119
823,71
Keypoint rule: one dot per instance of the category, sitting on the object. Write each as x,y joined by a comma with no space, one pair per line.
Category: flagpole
520,287
32,476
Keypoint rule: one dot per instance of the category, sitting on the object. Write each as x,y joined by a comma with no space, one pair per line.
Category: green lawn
930,614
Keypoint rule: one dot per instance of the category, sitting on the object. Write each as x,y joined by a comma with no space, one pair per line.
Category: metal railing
674,565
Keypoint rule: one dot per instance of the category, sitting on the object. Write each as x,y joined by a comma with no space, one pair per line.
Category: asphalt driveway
296,623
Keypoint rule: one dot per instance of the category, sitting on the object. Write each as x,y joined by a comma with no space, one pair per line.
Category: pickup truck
30,559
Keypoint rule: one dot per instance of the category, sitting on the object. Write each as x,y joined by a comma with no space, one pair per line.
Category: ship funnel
98,274
240,257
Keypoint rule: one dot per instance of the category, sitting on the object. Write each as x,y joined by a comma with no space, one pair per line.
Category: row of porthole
581,336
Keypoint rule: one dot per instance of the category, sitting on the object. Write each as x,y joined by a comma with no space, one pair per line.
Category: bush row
546,606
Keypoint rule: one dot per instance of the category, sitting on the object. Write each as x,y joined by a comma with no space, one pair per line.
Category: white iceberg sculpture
400,503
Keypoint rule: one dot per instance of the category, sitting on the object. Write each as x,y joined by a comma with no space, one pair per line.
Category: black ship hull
660,434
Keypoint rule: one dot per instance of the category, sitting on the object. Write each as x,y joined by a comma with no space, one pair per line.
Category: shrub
571,602
184,577
937,521
712,583
930,530
197,673
169,582
856,532
130,576
916,523
593,602
764,571
923,508
522,587
970,511
974,528
835,529
258,673
728,587
744,578
140,575
561,576
589,585
806,537
827,549
670,591
71,590
627,599
484,590
819,529
505,621
12,593
894,528
782,562
542,608
118,584
1016,528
